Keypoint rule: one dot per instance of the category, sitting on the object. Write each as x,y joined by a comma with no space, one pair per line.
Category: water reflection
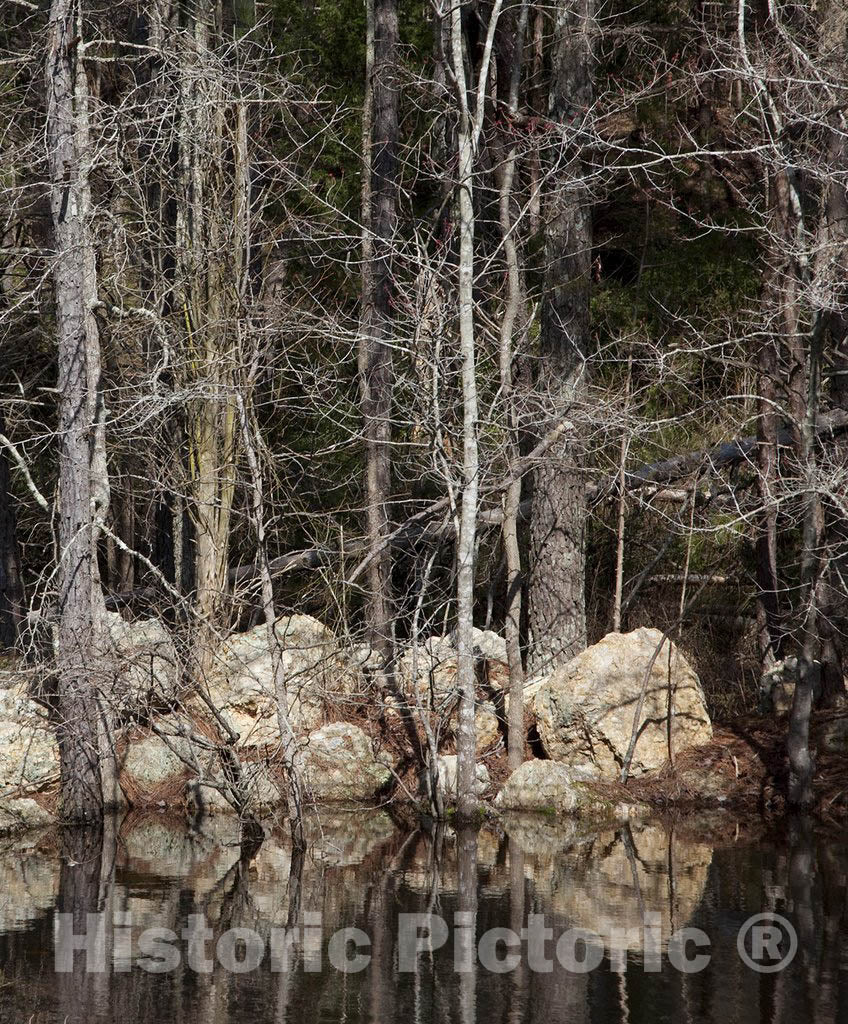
633,888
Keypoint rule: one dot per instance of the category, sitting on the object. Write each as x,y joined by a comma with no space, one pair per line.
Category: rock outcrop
29,755
153,764
341,766
830,735
166,769
777,687
585,709
176,761
317,672
146,660
143,669
426,675
558,789
447,778
146,674
20,813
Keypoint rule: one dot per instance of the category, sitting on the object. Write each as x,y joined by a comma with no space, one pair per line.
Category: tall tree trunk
801,762
557,570
83,481
768,582
803,359
537,103
466,743
375,356
832,599
209,228
512,499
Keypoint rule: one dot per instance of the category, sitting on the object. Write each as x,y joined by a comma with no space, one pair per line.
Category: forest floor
745,768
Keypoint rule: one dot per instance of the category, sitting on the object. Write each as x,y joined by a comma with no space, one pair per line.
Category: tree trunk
802,385
466,744
209,223
512,499
801,762
622,509
375,356
557,607
803,359
83,481
832,599
767,482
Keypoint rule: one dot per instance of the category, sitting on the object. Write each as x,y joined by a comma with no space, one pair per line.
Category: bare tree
292,757
557,574
83,480
375,353
467,140
513,309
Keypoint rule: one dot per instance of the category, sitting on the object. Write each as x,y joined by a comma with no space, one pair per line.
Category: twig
21,464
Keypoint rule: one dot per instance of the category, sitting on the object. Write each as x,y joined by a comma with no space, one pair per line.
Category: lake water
250,939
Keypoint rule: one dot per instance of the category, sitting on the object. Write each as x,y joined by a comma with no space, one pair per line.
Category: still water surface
360,872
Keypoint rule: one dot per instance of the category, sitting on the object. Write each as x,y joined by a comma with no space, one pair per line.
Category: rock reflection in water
360,872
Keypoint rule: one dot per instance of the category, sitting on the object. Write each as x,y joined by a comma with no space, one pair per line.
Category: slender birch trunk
466,542
512,498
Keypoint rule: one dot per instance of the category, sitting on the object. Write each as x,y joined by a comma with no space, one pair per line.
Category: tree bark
557,607
622,511
832,599
375,356
83,481
466,745
801,761
512,499
210,222
768,582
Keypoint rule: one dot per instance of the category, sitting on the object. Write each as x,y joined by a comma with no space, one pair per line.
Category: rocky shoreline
359,749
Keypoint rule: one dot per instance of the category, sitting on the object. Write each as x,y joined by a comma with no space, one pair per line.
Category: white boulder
318,674
447,778
340,765
585,709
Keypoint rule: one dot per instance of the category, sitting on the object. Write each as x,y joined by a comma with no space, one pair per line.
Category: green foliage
704,277
328,38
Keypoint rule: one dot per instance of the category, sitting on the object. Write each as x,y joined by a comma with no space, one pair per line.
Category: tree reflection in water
360,872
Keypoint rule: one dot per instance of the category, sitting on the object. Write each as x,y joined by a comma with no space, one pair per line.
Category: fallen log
721,456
